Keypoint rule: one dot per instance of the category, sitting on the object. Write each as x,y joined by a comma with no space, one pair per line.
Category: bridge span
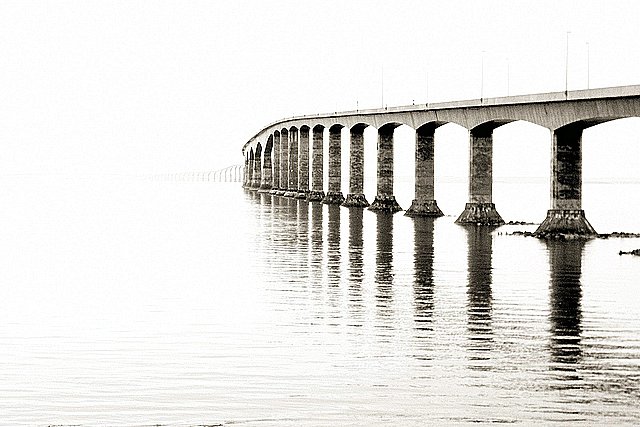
277,158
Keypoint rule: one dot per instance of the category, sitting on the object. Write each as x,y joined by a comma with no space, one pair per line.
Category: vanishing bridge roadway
277,157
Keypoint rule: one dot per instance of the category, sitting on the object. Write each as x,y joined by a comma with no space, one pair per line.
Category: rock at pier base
280,192
565,222
385,203
302,195
290,193
480,214
315,196
428,208
333,198
355,201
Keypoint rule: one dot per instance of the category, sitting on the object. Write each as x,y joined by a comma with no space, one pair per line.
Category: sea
134,302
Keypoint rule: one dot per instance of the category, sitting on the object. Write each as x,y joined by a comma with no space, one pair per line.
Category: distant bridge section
233,173
277,157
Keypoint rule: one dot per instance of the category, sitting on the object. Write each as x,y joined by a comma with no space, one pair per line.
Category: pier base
385,203
280,192
290,193
356,201
565,222
315,196
301,194
265,189
428,208
480,214
333,198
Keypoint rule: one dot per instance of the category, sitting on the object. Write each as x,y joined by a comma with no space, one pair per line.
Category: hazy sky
161,86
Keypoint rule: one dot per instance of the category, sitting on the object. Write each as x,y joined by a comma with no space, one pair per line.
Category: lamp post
566,67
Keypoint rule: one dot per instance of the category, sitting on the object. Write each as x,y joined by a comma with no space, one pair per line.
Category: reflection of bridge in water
359,276
286,157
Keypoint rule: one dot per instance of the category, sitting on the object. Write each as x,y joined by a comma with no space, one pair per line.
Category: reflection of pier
423,272
384,264
356,264
479,306
565,263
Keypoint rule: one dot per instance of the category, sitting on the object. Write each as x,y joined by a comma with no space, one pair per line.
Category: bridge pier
385,201
356,197
276,163
257,168
481,210
425,204
292,185
267,174
248,168
303,170
317,194
566,215
334,194
284,162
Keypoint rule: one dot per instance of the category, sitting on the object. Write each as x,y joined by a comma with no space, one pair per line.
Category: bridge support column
284,162
303,170
292,186
267,174
385,201
276,163
334,194
566,215
356,197
317,194
257,169
247,175
425,204
480,210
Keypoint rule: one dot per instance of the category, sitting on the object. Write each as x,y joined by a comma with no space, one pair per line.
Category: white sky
162,86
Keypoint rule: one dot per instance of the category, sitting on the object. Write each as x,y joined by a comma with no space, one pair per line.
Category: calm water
142,303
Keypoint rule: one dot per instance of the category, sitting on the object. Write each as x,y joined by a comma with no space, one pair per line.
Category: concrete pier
284,162
334,194
566,215
385,201
275,186
303,158
356,197
267,174
292,185
257,168
424,203
317,194
480,210
248,169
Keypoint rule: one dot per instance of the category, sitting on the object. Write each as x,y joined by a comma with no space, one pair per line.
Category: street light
566,67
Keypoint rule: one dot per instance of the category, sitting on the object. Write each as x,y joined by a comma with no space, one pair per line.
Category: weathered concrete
480,210
303,174
257,168
317,194
424,203
566,215
284,162
356,197
248,168
276,163
267,173
334,193
292,186
385,200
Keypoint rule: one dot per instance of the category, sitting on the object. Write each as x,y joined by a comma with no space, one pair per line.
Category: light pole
566,67
508,77
482,78
588,65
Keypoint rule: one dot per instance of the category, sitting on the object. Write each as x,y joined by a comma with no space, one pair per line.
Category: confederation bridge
277,157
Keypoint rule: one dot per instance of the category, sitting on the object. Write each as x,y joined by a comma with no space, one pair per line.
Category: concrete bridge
277,158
